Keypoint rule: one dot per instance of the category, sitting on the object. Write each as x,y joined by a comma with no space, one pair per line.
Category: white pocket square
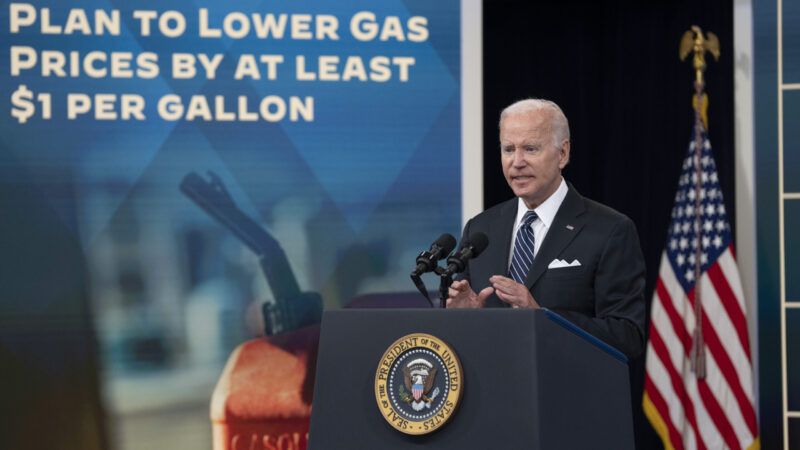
561,263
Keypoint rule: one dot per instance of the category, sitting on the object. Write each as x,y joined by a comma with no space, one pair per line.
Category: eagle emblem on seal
418,378
418,384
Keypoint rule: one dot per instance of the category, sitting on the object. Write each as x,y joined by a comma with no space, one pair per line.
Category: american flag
691,407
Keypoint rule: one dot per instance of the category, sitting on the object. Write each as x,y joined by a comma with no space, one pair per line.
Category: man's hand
513,293
461,295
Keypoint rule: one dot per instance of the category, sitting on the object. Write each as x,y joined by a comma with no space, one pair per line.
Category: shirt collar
548,209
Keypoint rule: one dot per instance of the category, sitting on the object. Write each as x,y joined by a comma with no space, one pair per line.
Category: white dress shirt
546,212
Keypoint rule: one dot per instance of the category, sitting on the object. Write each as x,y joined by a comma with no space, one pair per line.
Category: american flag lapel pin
570,227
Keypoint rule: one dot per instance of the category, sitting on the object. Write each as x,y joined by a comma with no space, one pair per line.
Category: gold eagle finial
693,41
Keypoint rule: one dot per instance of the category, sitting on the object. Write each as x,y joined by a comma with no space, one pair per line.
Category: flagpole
693,41
698,346
691,401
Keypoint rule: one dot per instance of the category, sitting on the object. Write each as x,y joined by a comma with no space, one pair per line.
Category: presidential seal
418,383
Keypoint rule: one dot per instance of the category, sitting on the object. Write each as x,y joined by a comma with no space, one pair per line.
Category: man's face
531,163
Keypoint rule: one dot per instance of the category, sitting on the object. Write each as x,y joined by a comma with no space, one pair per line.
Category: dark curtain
613,67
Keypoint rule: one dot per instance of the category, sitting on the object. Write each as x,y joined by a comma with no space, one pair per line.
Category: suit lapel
502,229
566,225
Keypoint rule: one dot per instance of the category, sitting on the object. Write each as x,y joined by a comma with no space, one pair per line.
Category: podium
531,380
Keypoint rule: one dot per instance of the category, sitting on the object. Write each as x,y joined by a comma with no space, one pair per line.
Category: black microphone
426,261
470,248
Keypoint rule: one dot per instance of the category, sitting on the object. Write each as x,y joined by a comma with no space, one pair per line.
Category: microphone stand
445,280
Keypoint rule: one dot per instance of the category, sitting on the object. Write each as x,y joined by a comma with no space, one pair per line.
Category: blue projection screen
346,129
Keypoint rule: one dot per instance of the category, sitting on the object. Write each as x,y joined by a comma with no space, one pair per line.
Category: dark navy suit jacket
604,295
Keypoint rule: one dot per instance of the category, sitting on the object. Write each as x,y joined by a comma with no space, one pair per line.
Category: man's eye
507,149
531,148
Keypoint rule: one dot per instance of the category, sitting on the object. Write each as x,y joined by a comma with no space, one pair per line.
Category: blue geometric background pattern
351,196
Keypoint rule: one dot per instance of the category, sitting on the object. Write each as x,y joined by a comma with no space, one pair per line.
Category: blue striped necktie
522,260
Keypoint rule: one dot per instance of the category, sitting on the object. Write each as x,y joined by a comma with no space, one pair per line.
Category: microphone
470,248
441,247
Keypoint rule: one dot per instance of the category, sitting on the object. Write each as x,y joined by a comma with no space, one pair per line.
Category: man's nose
519,158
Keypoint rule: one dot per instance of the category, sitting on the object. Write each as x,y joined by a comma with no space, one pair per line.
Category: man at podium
551,247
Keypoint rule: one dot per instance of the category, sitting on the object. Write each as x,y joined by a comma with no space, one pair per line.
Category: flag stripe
727,262
685,317
715,350
727,336
662,385
722,393
718,416
678,358
664,305
677,383
671,439
678,322
727,402
726,367
727,265
733,311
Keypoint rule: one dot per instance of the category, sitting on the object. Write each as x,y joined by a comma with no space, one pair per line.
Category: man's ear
564,154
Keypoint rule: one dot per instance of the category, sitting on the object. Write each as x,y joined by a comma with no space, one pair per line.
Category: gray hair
559,126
